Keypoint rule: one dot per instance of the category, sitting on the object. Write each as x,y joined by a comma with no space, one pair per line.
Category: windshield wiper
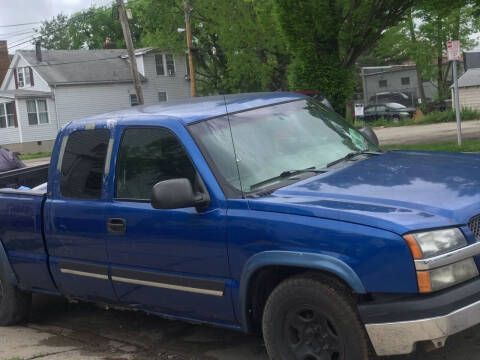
352,155
288,173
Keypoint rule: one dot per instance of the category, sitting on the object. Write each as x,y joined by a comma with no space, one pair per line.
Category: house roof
376,70
81,66
188,111
24,94
470,78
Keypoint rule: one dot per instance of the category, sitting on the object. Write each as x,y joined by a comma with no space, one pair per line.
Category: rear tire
309,319
14,303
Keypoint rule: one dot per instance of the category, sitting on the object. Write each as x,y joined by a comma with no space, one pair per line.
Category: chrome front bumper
400,338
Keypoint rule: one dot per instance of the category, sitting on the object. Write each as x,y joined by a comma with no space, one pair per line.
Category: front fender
5,266
309,261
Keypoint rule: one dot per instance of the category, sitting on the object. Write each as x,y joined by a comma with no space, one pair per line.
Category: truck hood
399,191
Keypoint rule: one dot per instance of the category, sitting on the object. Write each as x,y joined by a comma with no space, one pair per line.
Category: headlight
433,243
441,278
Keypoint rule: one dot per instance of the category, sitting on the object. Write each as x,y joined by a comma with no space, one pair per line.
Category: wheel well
266,279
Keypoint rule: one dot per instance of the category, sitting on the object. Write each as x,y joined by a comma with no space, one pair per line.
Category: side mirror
370,135
177,194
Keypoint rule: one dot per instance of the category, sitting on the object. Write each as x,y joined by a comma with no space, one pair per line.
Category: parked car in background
256,212
392,97
393,111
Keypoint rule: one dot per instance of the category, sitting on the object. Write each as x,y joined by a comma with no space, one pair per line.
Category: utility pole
131,52
188,11
454,54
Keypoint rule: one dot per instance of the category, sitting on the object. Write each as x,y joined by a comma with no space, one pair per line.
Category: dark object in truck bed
9,161
27,176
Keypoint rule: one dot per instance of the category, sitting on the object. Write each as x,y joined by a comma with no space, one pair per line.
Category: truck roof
192,110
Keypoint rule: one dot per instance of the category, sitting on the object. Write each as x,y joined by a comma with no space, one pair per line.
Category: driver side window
147,156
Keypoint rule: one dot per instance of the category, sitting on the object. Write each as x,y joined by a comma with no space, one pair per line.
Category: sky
14,12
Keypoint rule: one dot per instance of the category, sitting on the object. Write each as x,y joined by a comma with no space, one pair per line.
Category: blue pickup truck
258,212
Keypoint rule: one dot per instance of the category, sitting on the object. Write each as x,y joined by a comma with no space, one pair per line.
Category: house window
162,96
21,80
165,64
23,77
159,64
133,100
26,75
383,83
37,112
10,112
405,81
170,64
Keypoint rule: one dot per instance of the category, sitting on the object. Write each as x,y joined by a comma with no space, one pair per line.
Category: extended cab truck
252,212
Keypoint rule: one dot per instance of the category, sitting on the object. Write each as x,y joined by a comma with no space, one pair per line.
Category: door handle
117,226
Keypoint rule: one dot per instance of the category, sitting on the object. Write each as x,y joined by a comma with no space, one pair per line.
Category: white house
46,89
469,89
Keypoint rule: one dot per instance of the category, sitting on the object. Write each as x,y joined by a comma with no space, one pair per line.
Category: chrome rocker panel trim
400,338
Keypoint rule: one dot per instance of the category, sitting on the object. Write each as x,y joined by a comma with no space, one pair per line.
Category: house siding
176,87
39,83
37,132
469,97
9,135
79,101
394,83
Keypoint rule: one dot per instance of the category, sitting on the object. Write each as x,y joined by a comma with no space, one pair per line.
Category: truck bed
29,177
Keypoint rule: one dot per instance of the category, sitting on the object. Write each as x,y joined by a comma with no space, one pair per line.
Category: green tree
423,38
86,29
326,38
237,44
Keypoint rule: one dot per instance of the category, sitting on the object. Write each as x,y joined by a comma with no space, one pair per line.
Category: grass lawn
35,156
467,146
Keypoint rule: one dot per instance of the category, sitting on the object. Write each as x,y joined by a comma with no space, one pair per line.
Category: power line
14,25
18,33
16,45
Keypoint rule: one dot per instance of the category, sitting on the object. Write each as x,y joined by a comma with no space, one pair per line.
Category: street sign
454,51
359,110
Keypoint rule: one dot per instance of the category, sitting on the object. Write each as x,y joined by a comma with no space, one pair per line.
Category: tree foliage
327,37
86,29
422,38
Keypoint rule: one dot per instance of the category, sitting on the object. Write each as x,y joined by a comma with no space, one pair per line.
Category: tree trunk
413,39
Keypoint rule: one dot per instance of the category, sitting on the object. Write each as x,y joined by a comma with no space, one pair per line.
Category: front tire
308,319
14,303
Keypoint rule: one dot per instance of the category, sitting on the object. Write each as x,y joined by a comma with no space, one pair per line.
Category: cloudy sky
13,12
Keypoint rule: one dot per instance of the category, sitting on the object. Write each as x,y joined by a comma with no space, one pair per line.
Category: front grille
474,226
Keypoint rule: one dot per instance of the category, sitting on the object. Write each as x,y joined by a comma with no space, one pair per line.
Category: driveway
424,134
58,330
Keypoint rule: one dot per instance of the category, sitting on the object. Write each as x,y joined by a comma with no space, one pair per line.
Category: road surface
58,330
424,134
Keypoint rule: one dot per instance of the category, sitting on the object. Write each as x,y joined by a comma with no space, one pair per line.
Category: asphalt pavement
58,330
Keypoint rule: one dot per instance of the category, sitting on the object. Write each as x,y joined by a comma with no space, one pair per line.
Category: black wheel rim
311,335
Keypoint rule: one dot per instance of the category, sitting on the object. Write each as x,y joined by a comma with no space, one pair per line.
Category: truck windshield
258,148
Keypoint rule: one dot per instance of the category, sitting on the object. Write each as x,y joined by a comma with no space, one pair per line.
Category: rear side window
147,156
83,164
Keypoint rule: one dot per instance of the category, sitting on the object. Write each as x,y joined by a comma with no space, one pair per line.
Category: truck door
75,217
166,261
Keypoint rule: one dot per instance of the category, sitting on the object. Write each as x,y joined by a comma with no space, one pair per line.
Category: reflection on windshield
275,139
